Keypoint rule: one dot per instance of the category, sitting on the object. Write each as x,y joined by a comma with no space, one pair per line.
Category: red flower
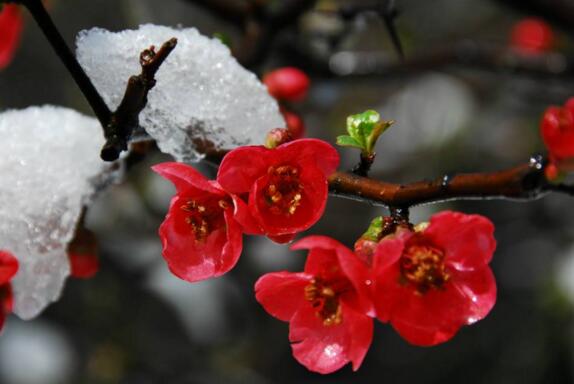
430,283
557,128
200,237
532,36
327,305
295,125
11,24
287,186
83,254
8,268
287,83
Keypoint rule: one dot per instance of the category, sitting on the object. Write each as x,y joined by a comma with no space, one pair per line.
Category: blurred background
463,99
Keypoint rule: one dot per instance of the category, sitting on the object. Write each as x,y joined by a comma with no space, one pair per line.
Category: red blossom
430,282
8,268
285,187
557,128
11,24
295,124
83,254
287,83
327,305
200,237
532,36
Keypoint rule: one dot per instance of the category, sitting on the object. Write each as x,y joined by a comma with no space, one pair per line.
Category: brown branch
126,117
524,182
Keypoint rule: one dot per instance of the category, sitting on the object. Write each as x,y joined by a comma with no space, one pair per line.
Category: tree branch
524,182
126,117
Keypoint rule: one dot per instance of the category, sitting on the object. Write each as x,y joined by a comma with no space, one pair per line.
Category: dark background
136,323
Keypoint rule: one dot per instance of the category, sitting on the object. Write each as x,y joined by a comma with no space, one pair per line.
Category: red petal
282,293
244,217
435,316
467,240
194,261
282,239
325,349
6,299
241,167
185,177
11,25
327,254
310,210
8,267
478,288
313,152
83,265
388,253
557,128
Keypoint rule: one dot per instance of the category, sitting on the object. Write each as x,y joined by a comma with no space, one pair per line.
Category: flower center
424,267
205,216
283,193
324,297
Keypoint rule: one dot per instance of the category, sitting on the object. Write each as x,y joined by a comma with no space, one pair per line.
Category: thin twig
126,117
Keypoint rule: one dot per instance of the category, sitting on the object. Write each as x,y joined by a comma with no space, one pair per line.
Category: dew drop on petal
332,350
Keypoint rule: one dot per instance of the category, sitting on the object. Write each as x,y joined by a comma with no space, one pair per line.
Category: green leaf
375,229
376,132
348,141
360,126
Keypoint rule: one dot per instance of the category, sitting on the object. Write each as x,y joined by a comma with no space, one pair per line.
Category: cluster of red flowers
557,129
273,192
8,268
426,282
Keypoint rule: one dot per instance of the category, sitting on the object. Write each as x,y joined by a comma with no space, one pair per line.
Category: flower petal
309,211
312,151
387,253
8,267
478,288
241,167
244,217
11,25
435,316
327,254
467,240
193,260
325,349
6,299
185,177
282,293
